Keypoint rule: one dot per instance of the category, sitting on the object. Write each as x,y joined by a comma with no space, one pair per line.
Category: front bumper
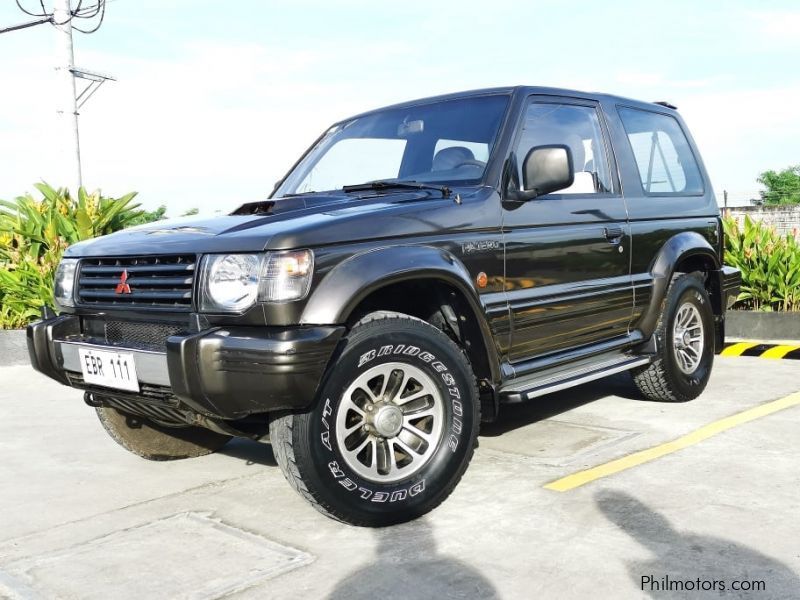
224,372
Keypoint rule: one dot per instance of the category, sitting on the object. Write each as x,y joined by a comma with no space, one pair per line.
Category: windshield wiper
397,185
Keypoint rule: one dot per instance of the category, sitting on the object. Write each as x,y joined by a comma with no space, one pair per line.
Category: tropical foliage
769,262
34,232
783,187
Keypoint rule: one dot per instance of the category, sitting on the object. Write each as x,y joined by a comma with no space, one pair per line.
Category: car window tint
378,158
663,156
479,150
577,127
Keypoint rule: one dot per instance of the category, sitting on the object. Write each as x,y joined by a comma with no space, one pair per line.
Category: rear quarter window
664,158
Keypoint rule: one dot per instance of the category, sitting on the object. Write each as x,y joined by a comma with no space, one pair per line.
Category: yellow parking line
698,435
737,349
778,351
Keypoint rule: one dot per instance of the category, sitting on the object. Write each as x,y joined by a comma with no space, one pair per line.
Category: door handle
614,234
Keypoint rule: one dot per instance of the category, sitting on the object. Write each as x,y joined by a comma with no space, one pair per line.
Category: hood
284,223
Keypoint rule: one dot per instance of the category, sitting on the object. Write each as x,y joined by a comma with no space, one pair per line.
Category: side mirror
546,169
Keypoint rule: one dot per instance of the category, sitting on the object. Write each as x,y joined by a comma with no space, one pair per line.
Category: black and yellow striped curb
761,349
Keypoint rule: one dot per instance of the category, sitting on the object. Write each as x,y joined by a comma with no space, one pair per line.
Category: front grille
150,282
146,336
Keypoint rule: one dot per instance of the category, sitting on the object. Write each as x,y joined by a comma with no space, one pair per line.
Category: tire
155,442
680,371
374,467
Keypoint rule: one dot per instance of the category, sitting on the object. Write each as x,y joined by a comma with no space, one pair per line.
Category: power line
26,25
98,7
44,12
101,9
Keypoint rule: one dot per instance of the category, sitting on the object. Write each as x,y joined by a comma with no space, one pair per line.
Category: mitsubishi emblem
122,286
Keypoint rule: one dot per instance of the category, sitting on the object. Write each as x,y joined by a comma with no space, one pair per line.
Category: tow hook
90,400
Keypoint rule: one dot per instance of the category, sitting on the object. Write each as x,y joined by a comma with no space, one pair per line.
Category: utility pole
67,107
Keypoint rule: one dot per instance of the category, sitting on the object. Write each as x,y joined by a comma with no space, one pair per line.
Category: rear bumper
728,281
731,280
225,373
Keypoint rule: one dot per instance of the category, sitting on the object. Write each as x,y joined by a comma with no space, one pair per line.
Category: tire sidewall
417,344
689,289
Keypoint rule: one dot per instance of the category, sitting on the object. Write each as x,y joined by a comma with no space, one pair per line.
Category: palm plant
34,234
770,265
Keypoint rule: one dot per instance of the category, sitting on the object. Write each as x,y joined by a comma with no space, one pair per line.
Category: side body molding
687,244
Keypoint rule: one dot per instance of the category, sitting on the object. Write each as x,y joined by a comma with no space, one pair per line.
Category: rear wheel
152,441
394,427
685,333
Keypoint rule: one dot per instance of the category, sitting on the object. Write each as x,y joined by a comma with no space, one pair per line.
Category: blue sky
215,100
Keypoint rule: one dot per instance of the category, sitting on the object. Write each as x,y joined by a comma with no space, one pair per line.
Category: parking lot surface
82,518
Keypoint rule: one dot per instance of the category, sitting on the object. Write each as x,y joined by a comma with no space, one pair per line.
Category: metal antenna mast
67,106
67,101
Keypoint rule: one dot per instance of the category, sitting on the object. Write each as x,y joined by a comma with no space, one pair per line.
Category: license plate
109,369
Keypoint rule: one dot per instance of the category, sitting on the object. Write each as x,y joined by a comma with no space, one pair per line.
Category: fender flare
351,281
679,247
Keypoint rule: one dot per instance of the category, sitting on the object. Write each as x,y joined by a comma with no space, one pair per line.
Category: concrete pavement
81,518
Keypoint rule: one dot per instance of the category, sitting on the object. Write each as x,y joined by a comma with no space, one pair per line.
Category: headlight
63,291
230,282
234,282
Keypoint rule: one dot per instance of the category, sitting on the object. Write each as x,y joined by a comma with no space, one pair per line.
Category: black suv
420,266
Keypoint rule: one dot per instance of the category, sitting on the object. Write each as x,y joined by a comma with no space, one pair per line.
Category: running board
533,386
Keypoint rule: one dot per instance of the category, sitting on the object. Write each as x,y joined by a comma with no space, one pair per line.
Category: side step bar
533,386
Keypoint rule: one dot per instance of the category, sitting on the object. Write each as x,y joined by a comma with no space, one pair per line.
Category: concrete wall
785,218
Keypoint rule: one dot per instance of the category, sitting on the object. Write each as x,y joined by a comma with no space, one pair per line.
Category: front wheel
685,332
393,429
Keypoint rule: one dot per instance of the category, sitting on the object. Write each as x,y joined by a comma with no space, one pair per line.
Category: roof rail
667,104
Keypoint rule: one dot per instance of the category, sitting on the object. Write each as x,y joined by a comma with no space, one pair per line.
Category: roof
526,89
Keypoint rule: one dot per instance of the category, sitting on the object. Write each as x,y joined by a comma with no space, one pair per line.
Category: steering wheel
470,163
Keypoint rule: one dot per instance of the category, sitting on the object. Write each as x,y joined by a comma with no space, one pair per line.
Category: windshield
446,142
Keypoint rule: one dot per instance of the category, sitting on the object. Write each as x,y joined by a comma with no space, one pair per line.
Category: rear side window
663,155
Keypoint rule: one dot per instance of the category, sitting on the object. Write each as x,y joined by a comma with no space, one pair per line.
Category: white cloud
653,79
741,133
213,127
778,25
213,124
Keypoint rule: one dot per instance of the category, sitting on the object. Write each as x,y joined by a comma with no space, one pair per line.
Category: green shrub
34,234
770,265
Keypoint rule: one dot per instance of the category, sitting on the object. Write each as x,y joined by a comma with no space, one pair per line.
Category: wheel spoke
418,404
366,389
387,378
365,438
418,414
384,458
416,431
353,428
348,404
357,450
691,351
416,395
411,452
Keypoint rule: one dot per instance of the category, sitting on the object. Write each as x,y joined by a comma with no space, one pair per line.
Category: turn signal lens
286,276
